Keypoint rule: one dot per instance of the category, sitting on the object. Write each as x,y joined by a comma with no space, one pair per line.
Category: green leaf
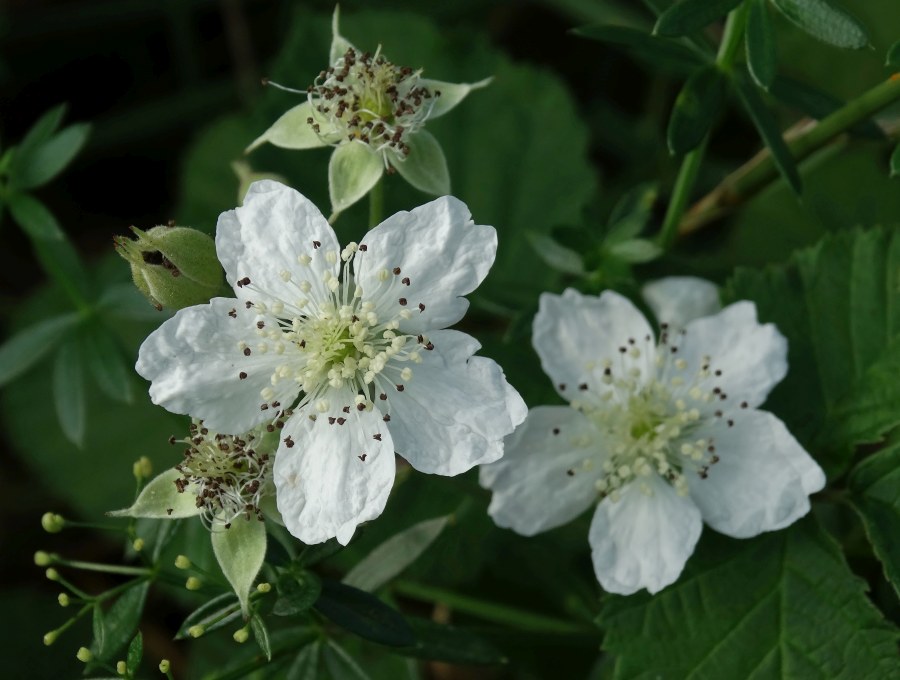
635,251
160,499
261,635
68,392
39,133
341,665
50,158
105,360
120,622
389,559
688,16
838,304
364,615
23,350
555,254
893,56
98,629
425,167
135,653
441,642
818,104
352,172
875,493
782,605
631,213
824,21
291,131
217,613
311,555
35,220
662,53
240,549
696,109
895,162
296,593
760,44
305,665
767,127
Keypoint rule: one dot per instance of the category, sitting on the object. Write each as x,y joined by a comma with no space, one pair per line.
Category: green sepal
353,170
425,167
292,131
451,94
240,549
160,499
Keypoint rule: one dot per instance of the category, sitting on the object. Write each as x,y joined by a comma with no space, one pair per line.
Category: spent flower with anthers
373,112
661,434
346,349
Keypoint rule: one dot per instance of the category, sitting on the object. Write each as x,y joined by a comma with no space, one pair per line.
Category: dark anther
571,473
555,430
233,313
363,247
382,396
242,375
288,442
341,421
346,409
172,440
400,388
316,244
331,420
260,324
396,271
246,351
360,407
622,350
744,404
730,423
562,387
405,280
152,257
402,301
386,418
362,457
583,387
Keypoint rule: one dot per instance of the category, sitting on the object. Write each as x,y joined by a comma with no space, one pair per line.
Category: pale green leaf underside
838,304
240,550
394,555
782,605
160,499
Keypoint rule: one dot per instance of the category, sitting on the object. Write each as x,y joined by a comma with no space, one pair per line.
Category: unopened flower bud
52,574
241,636
193,583
84,654
264,587
173,267
63,599
182,562
50,638
142,468
138,544
52,522
121,667
196,631
164,665
43,559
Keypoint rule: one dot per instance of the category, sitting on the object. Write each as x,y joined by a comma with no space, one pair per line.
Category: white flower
345,348
373,112
662,435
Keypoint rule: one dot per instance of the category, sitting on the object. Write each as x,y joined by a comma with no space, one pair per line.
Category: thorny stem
489,611
760,171
690,165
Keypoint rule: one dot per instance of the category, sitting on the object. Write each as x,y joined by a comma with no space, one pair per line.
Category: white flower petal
195,361
263,239
455,411
763,478
425,167
574,334
643,541
678,299
292,131
752,357
543,479
335,476
353,170
439,255
451,94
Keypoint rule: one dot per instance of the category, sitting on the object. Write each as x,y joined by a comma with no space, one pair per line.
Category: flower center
367,99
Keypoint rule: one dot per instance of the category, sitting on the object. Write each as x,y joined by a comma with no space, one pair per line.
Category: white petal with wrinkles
763,478
438,253
194,362
335,476
543,479
643,541
268,236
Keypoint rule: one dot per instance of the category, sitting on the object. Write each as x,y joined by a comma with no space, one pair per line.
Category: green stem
690,165
760,171
376,204
490,611
106,568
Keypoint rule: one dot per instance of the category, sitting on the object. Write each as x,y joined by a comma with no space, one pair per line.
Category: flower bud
52,522
164,666
84,654
142,468
138,544
121,667
43,559
241,636
63,599
52,574
173,267
50,638
193,583
196,631
264,587
182,562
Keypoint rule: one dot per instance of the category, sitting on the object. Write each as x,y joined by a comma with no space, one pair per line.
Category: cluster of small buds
365,98
227,472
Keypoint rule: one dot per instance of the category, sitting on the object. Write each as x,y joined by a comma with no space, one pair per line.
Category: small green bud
264,587
241,636
50,638
138,544
64,599
193,583
164,665
43,559
182,562
142,468
121,667
196,631
52,574
173,267
52,522
84,654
